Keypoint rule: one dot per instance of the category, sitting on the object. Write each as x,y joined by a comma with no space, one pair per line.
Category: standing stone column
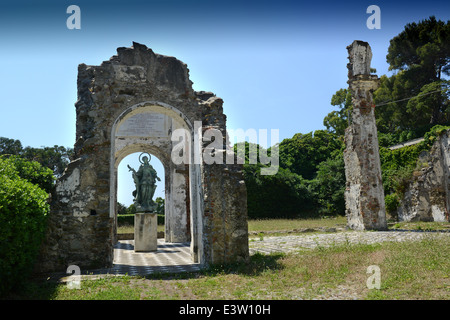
364,194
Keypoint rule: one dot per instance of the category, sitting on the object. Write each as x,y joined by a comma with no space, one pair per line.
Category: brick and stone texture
364,194
206,204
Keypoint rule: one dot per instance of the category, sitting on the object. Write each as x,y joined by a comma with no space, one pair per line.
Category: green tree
432,102
10,146
121,208
131,209
160,208
421,56
337,121
23,212
422,49
284,194
32,171
55,158
329,186
303,152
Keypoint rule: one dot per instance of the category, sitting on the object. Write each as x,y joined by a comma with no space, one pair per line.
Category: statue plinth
145,231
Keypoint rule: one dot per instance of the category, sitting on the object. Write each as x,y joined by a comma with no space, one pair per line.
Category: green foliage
416,96
304,152
121,208
125,219
288,194
10,146
160,208
424,45
391,202
398,166
284,194
131,209
431,136
329,186
128,219
432,103
337,121
32,171
23,211
55,158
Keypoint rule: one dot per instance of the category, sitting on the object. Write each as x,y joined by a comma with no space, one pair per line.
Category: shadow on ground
45,288
256,264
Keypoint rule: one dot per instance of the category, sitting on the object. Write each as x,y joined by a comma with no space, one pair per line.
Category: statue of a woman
145,181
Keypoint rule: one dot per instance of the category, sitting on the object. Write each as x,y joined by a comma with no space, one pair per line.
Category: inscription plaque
144,125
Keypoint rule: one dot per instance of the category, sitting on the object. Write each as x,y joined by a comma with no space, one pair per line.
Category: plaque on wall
144,125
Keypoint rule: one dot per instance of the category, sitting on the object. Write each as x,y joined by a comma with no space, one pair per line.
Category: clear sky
275,63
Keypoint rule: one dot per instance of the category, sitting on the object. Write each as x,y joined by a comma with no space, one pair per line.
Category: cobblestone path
293,243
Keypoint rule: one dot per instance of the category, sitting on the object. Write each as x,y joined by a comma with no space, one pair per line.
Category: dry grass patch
409,270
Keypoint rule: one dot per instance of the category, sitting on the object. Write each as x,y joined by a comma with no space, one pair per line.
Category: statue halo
149,157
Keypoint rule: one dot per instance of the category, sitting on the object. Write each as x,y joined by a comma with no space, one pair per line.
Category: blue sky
275,63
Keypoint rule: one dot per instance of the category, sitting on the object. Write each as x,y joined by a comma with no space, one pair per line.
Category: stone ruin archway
146,127
139,86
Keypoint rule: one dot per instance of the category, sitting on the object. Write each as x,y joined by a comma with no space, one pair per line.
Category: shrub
391,201
283,195
329,186
32,171
23,212
128,219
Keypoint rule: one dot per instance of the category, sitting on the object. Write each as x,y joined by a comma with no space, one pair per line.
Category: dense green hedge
128,219
23,212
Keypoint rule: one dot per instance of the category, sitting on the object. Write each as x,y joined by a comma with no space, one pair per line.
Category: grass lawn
412,270
261,225
408,270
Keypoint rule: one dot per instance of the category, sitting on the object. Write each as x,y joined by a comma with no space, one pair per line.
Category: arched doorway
126,186
119,111
147,127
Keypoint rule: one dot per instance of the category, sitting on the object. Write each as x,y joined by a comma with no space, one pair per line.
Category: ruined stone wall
364,194
81,229
224,215
427,197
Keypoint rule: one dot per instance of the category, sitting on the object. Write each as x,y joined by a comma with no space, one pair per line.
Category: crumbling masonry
364,194
132,103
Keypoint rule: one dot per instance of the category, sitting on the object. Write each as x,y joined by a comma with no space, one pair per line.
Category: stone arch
138,82
182,210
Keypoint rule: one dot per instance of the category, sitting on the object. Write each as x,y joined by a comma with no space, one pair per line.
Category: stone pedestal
145,232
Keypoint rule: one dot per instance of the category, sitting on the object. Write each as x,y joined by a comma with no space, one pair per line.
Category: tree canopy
417,96
55,158
420,55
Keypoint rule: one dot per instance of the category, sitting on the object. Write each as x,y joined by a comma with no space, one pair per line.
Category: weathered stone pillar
364,194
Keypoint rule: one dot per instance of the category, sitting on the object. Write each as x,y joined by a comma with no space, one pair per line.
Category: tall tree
10,146
421,56
422,49
55,158
303,152
338,121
